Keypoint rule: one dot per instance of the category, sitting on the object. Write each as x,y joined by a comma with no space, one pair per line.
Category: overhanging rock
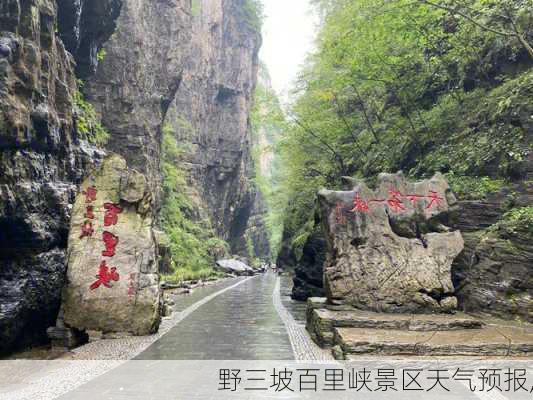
389,248
112,281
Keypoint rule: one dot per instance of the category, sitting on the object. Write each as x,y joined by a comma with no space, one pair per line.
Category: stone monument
112,276
389,247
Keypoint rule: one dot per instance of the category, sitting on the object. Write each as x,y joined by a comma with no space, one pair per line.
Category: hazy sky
288,34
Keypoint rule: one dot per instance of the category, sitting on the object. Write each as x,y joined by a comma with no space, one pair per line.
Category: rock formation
210,119
41,161
308,274
494,273
112,281
234,267
137,79
389,250
132,56
84,26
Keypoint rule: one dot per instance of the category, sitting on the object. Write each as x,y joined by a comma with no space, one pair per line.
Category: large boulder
233,266
112,281
389,248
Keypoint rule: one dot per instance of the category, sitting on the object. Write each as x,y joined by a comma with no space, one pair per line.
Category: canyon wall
133,60
210,117
42,159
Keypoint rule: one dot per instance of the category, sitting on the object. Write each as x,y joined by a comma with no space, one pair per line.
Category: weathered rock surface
131,82
490,341
389,249
287,259
137,79
494,273
84,26
308,278
112,281
235,267
210,119
41,161
321,322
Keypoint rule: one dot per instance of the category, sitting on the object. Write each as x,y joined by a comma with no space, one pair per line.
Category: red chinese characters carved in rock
395,202
86,229
105,276
340,218
435,199
90,194
110,242
89,212
359,204
111,214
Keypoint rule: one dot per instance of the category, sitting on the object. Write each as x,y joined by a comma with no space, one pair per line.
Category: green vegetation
252,14
474,187
196,8
419,86
518,219
100,56
88,123
268,121
193,243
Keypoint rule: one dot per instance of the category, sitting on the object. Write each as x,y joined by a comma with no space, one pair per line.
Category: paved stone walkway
236,319
240,324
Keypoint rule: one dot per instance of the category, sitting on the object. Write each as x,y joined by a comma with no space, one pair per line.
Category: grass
474,187
187,274
88,123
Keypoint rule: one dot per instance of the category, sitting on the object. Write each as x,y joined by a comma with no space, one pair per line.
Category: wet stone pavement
239,324
297,309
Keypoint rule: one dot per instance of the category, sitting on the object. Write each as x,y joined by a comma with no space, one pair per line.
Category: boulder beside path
112,274
389,248
234,266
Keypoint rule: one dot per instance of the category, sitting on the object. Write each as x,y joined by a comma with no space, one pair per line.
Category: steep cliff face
132,56
494,273
41,161
137,79
210,119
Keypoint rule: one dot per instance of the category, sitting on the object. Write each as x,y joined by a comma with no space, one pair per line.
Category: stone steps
354,333
321,322
489,341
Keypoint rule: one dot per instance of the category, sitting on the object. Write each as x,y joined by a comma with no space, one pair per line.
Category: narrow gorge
310,180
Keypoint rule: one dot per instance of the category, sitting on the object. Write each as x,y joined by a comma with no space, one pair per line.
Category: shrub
88,124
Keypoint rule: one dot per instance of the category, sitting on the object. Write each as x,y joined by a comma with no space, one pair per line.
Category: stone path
236,319
304,348
240,324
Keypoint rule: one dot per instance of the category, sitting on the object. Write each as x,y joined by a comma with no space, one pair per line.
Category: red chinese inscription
86,229
89,212
396,202
105,276
110,242
111,214
435,199
359,204
340,218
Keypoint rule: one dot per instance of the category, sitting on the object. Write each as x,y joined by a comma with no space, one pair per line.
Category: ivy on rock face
88,122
